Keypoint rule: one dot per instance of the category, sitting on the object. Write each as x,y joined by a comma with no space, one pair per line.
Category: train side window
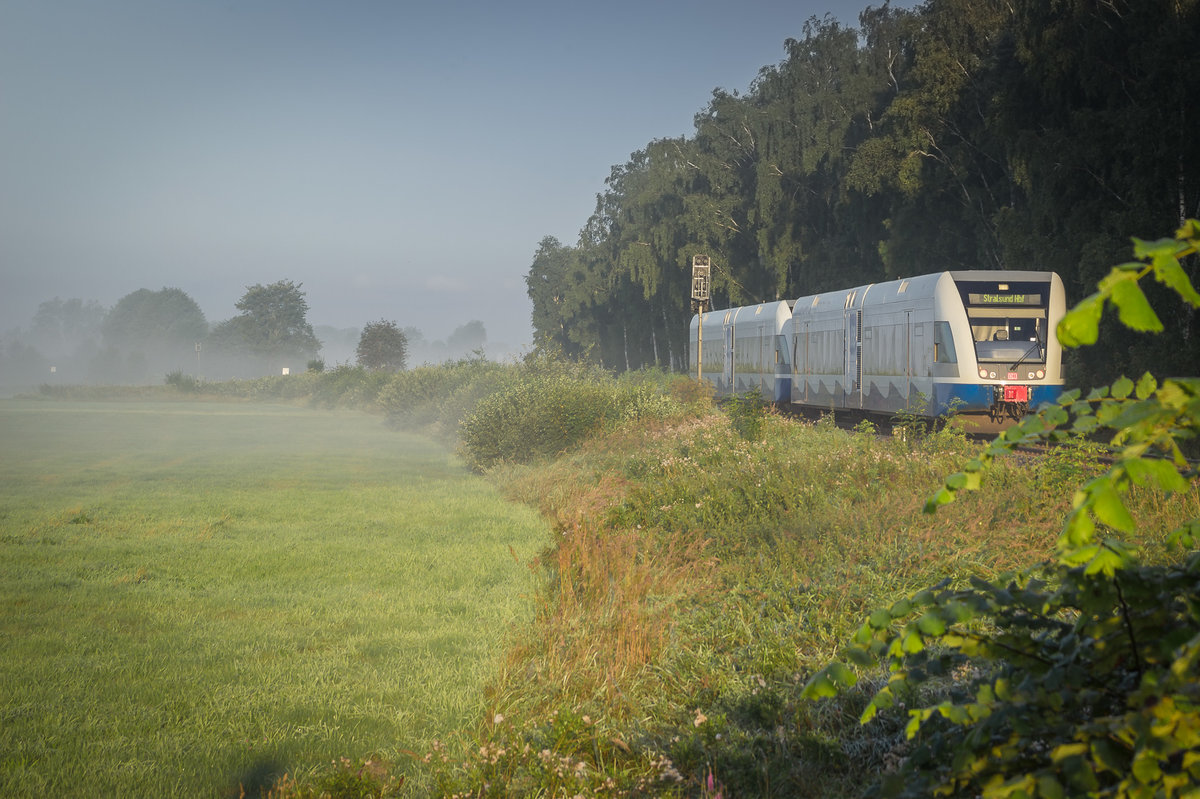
943,344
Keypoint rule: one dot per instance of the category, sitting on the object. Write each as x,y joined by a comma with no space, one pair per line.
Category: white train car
745,349
968,342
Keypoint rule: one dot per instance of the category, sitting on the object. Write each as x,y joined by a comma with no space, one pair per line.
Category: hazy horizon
400,160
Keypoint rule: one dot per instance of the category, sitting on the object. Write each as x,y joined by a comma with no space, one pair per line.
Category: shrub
440,396
183,382
746,414
550,406
538,416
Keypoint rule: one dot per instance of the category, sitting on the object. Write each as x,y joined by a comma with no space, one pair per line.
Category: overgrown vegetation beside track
707,562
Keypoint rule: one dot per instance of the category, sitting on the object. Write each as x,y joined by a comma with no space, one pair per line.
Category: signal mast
700,275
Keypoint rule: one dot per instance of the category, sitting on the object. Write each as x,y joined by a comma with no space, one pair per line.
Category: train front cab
743,350
995,346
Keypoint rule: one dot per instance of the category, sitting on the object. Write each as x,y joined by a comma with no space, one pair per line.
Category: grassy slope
699,578
196,595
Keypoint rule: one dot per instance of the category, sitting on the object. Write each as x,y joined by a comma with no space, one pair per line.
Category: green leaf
1147,250
955,713
1049,787
1186,536
1133,309
1168,271
901,608
826,682
860,656
1063,751
1157,471
915,719
912,643
1122,388
1108,507
931,624
1146,768
880,619
819,686
842,674
944,496
1106,562
1078,532
1109,756
1080,555
1146,386
1081,325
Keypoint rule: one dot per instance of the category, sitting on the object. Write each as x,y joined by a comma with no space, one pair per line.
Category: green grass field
197,596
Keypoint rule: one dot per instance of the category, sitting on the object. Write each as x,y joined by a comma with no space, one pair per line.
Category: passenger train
950,342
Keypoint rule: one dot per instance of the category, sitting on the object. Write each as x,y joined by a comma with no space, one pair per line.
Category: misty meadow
200,597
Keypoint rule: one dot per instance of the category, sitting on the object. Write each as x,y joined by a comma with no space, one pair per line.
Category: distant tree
414,336
60,327
22,365
561,319
382,346
273,324
154,321
467,338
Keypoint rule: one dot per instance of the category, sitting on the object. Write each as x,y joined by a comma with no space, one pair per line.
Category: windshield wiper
1036,346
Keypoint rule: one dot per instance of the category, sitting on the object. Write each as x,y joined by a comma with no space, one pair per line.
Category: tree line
962,134
148,334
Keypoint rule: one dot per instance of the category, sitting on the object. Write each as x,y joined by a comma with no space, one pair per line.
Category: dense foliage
148,333
1080,677
382,345
272,327
963,134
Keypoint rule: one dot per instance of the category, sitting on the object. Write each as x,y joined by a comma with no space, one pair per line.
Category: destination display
1004,298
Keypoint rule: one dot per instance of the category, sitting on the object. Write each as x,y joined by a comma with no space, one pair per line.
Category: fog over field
399,161
74,342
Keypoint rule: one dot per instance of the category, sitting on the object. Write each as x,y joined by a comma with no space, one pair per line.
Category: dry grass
608,608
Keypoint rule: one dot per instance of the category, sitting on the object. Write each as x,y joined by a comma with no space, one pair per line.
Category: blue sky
401,160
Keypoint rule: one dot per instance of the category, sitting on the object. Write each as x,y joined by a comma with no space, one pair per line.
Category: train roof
916,287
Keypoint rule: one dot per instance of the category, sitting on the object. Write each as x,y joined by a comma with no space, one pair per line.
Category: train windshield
1008,319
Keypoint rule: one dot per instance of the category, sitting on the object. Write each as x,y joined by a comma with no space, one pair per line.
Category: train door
766,361
800,351
909,353
729,353
853,378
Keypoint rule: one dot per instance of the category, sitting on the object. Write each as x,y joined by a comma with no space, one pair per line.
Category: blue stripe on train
977,397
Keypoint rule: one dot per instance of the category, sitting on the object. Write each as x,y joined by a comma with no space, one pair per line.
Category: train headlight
1040,374
992,375
1031,375
983,373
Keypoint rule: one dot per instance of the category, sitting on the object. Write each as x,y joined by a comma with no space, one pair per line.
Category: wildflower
498,718
700,718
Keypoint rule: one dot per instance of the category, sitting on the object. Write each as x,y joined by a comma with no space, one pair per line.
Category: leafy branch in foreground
1078,677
